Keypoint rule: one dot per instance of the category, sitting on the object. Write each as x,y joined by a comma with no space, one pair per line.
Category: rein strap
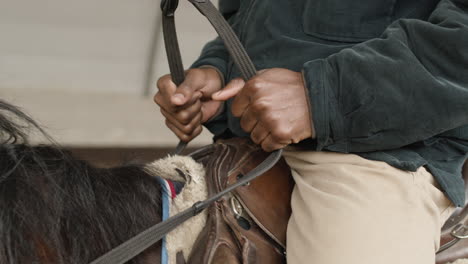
134,246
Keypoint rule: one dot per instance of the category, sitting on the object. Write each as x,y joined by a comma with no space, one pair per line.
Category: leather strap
232,43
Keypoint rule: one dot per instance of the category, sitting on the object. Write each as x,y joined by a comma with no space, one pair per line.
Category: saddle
249,225
453,242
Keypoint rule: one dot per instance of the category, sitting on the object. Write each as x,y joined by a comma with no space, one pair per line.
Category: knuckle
184,137
163,81
157,98
280,134
196,75
244,126
190,128
266,147
197,131
165,112
255,84
184,117
260,106
169,125
195,71
255,138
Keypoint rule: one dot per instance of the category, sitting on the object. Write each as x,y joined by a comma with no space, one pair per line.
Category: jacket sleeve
406,86
214,54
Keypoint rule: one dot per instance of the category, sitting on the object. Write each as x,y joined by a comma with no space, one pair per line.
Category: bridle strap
231,42
134,246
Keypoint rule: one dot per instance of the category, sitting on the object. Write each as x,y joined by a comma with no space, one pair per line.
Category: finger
188,128
183,116
270,145
182,136
258,134
159,100
243,98
194,81
166,85
230,90
248,120
185,128
209,109
166,89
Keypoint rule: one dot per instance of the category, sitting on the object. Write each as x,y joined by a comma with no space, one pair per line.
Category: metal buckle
460,231
236,207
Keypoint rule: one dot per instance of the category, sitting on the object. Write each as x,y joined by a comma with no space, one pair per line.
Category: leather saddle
453,240
249,225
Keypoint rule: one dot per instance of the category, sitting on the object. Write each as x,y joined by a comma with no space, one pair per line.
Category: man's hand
188,106
273,107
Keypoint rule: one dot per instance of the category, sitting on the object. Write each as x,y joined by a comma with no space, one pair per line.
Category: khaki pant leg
349,210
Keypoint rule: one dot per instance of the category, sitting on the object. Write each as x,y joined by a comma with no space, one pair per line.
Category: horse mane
57,209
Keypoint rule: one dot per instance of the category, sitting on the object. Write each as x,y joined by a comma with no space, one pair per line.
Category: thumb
188,90
230,90
185,94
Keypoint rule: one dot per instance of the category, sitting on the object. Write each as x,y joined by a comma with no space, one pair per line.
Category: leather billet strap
147,238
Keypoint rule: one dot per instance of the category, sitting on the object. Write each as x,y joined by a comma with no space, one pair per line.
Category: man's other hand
273,107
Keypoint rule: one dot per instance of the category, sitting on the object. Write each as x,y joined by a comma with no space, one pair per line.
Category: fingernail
178,98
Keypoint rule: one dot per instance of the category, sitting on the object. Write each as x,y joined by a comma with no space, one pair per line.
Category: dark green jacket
386,79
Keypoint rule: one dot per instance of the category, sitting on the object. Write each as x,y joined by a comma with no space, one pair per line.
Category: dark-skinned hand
188,106
272,107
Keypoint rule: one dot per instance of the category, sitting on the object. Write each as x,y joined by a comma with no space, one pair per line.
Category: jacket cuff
326,119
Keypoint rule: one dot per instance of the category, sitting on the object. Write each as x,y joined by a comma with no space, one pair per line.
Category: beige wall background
82,68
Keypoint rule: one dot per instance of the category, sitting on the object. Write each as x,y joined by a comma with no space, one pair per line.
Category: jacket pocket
347,20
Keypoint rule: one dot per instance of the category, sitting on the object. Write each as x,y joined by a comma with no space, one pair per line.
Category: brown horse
57,209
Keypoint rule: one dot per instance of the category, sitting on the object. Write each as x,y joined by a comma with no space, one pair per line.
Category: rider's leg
349,210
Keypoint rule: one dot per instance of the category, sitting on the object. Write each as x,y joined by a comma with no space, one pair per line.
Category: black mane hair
57,209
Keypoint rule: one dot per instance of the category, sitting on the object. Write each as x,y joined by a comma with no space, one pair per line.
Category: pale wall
81,67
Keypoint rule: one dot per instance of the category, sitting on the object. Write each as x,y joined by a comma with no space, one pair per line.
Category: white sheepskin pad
195,189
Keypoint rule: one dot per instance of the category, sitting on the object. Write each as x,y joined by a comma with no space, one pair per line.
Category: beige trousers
349,210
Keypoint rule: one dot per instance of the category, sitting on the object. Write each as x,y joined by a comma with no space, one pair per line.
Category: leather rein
137,244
